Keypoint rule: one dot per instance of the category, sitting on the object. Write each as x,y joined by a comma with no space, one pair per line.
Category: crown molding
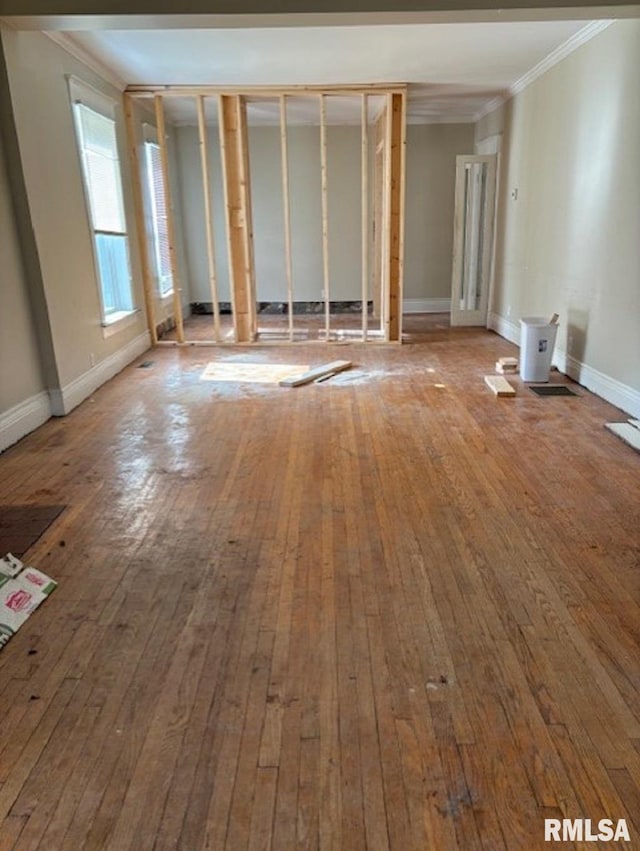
494,103
73,48
459,118
585,34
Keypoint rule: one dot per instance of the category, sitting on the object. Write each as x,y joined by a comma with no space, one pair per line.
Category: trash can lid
534,320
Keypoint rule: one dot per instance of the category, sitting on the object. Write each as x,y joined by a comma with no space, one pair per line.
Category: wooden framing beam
396,214
141,229
235,164
325,214
263,91
364,164
318,373
171,232
383,262
208,215
284,154
378,217
386,220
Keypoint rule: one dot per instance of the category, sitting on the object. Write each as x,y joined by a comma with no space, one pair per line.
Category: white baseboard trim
71,395
426,305
505,327
610,389
24,418
614,391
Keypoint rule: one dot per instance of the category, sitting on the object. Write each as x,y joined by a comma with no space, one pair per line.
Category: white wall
431,153
267,207
49,161
190,202
570,242
21,380
431,172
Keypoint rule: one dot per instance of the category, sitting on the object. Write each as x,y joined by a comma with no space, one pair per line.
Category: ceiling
454,70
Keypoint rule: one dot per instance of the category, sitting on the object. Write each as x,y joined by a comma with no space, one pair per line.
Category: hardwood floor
387,611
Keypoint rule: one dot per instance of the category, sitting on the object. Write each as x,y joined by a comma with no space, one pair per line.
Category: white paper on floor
22,589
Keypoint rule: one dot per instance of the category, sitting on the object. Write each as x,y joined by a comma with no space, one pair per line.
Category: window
158,212
96,131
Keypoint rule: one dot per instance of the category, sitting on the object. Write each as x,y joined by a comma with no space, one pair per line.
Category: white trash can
537,339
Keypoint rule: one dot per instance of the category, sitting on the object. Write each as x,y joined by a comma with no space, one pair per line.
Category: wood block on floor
317,372
499,385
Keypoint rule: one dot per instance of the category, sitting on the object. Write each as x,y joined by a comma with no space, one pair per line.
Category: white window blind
103,185
102,170
155,185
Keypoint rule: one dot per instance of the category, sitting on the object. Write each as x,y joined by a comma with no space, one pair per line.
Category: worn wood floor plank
380,613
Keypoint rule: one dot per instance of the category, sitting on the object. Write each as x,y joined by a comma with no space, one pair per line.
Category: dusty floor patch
258,373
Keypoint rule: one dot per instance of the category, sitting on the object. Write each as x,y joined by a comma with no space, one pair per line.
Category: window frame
82,94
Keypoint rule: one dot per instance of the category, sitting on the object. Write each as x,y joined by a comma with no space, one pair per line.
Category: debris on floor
327,370
499,385
252,373
629,432
507,365
22,589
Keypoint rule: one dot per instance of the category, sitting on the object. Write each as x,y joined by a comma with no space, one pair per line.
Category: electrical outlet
92,359
514,194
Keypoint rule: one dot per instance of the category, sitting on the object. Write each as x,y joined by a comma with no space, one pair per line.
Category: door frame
459,316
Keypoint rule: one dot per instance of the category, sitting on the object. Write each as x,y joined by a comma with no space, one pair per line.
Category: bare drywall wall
431,155
568,242
37,72
20,372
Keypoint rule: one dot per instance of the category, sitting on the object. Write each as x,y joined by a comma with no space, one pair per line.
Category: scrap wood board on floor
324,371
499,385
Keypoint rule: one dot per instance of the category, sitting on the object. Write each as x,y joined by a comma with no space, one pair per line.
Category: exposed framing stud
364,121
382,217
396,184
386,222
208,214
233,144
379,176
171,232
143,245
284,155
247,232
325,214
